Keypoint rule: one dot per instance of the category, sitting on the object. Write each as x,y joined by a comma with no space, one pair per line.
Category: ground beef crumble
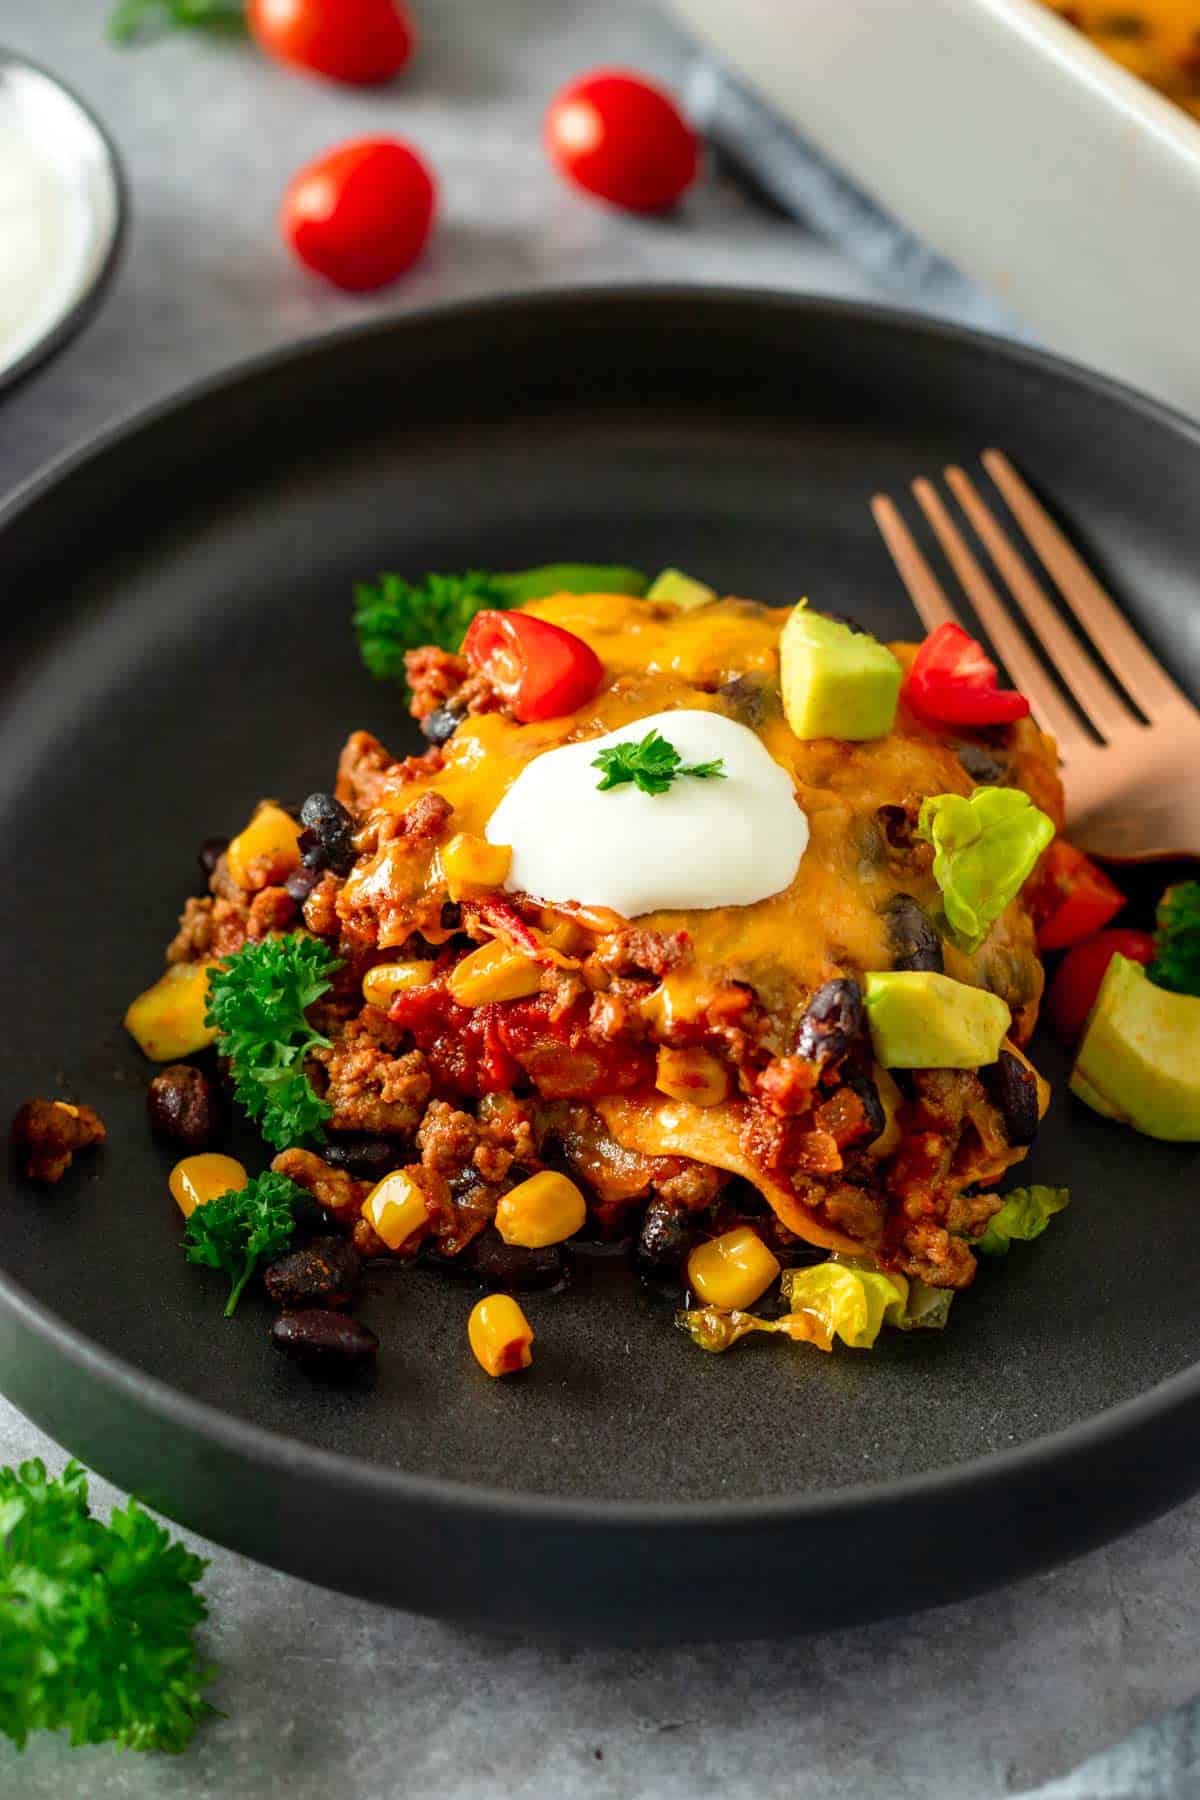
369,1086
47,1133
339,1192
368,772
439,679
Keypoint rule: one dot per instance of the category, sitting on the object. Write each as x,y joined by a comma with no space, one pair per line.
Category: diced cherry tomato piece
619,137
538,669
1070,898
1072,993
360,214
953,682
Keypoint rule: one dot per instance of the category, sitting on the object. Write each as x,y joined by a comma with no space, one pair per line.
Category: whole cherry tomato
361,213
952,681
623,139
1073,991
358,41
541,670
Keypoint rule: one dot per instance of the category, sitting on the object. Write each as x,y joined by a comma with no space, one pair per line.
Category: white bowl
61,214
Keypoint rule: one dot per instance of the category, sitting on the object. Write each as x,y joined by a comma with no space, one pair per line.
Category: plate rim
278,1454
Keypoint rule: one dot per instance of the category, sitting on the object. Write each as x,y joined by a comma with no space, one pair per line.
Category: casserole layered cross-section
687,1065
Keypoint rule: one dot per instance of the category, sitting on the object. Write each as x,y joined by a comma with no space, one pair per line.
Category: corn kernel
493,972
500,1335
679,998
387,979
732,1270
693,1075
198,1179
396,1207
546,1209
167,1021
267,851
470,865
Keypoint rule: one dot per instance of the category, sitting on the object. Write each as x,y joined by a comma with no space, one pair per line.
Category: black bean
867,841
667,1235
440,725
1010,974
370,1158
326,1344
310,1218
301,882
184,1105
896,824
510,1266
912,935
832,1022
324,1273
983,765
327,841
753,698
1012,1089
451,917
210,853
861,1085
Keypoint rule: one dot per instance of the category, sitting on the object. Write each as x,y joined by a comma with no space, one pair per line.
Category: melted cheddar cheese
725,656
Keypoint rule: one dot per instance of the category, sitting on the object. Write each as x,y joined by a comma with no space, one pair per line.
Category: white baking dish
1010,144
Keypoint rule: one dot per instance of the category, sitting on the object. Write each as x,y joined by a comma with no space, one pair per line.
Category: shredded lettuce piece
851,1303
985,847
714,1329
840,1298
927,1308
1024,1216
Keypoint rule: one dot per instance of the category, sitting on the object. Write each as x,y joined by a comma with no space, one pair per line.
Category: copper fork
1130,743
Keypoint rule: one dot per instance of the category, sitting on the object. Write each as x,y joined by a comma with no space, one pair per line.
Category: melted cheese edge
827,921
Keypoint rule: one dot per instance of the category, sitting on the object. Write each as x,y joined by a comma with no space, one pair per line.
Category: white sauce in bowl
59,207
703,843
36,220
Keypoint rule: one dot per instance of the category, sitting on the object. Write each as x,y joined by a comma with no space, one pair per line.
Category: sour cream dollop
703,843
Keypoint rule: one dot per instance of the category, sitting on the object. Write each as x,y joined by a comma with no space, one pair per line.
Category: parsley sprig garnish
237,1231
96,1621
651,765
393,616
137,18
1176,962
258,1000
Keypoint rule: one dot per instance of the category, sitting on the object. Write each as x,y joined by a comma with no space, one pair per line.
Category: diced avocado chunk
1139,1061
922,1020
837,682
683,590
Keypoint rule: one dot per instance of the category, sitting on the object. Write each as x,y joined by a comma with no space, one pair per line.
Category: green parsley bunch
258,1000
237,1231
96,1621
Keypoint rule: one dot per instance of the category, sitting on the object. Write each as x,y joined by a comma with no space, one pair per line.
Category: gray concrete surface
327,1696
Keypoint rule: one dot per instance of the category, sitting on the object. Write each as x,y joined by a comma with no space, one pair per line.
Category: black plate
176,643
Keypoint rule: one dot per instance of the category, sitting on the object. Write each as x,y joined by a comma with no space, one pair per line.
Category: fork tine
1050,709
1108,629
924,589
1094,693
